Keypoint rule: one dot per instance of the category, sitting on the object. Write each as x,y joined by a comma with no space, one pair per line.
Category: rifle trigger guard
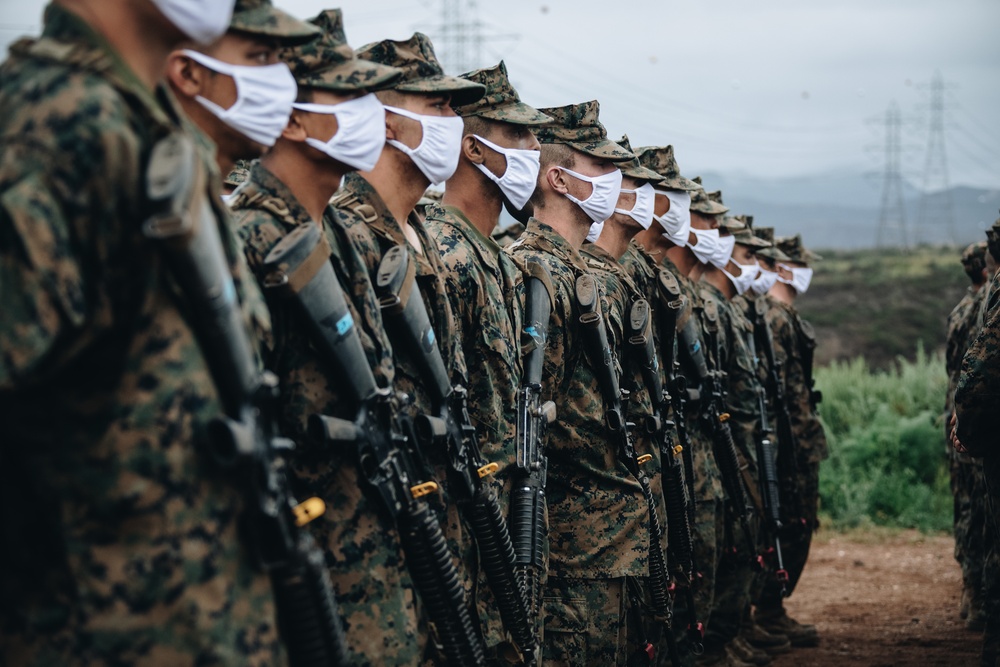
488,469
423,489
307,510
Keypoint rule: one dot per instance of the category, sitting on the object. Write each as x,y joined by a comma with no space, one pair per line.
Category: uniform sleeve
977,398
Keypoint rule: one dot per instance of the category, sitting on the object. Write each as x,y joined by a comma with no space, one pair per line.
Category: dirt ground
882,600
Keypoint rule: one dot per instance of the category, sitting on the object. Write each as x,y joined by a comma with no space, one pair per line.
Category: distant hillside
841,209
878,304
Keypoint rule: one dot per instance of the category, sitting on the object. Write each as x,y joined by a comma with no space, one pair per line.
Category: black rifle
723,446
527,495
298,269
767,468
409,327
243,442
661,429
787,459
595,344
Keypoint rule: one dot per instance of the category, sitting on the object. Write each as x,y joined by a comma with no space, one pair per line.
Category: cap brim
271,22
753,242
517,113
774,253
643,174
680,183
462,91
709,208
812,257
603,148
353,75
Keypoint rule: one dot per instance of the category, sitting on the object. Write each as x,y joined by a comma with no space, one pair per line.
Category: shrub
888,462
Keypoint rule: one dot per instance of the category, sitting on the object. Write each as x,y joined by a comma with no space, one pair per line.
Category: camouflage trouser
991,567
734,583
970,512
591,622
795,545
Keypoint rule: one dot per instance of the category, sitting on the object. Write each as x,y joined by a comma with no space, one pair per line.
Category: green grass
887,464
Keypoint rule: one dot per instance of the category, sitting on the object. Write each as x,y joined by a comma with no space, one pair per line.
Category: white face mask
800,278
437,155
595,231
204,21
603,197
707,245
764,282
723,252
360,132
642,210
264,98
519,179
742,282
676,222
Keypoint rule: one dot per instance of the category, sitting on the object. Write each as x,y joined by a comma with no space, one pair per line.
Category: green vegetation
878,304
887,464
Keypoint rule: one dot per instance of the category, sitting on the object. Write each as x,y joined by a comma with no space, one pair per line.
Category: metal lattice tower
936,207
892,229
459,38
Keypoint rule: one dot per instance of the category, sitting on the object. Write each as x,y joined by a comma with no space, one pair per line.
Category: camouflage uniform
793,344
597,515
966,472
130,553
977,397
373,588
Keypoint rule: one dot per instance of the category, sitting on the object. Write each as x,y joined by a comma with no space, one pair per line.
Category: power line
939,209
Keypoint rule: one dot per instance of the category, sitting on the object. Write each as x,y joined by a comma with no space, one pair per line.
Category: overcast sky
771,88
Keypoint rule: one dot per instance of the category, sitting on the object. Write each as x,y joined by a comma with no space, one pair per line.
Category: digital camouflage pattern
579,126
483,286
261,18
634,169
422,72
796,251
661,160
500,102
791,340
969,508
702,203
374,589
596,510
329,63
130,554
770,252
978,390
372,231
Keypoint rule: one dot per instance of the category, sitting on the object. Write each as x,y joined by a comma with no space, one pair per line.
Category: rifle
298,269
595,343
410,329
787,467
723,446
661,429
243,442
527,496
768,474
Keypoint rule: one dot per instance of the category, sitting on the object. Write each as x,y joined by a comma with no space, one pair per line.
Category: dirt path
882,601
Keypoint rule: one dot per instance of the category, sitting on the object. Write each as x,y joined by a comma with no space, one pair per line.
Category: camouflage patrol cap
422,72
771,251
633,168
578,126
974,253
746,236
501,102
731,224
792,246
262,19
661,160
716,196
329,63
705,205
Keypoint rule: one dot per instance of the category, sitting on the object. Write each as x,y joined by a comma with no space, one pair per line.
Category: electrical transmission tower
892,229
935,208
458,40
